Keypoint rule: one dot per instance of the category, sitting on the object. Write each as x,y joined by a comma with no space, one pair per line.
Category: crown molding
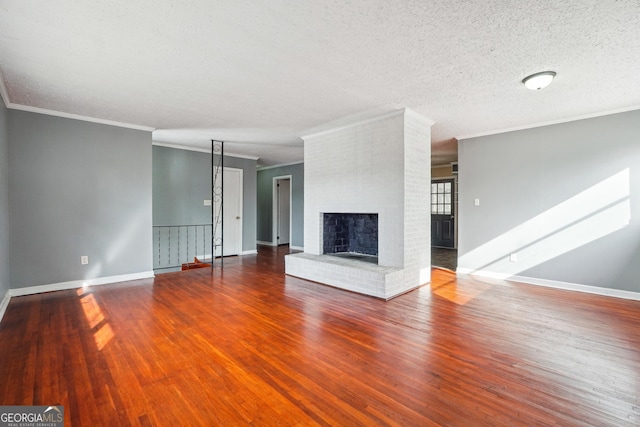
353,124
403,111
180,147
262,168
3,90
55,113
408,112
201,150
7,102
549,123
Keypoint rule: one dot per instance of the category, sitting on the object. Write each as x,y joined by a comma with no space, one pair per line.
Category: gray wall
77,188
265,202
564,198
4,202
182,181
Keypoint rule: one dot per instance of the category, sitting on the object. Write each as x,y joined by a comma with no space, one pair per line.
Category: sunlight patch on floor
458,293
95,318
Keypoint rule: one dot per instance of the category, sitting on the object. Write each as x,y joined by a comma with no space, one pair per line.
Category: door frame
274,203
454,204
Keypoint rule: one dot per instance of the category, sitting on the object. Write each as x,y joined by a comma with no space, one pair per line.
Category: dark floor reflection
445,258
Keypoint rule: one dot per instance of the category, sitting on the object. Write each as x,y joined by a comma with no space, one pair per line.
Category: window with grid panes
441,194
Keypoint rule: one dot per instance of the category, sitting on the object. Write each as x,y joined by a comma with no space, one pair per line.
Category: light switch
207,202
513,257
476,202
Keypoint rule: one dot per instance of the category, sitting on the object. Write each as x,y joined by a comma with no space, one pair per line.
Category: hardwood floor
249,346
444,258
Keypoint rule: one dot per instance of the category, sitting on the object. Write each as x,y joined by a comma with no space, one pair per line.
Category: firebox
351,234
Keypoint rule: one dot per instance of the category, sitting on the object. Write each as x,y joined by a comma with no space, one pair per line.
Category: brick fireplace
379,168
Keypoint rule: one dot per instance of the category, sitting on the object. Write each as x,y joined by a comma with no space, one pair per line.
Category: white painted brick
383,167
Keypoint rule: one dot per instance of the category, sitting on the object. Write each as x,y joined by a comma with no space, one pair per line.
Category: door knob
237,217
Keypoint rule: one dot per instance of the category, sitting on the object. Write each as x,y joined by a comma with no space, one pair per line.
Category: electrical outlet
513,257
207,202
84,260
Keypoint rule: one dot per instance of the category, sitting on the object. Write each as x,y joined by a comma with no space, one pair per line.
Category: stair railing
174,245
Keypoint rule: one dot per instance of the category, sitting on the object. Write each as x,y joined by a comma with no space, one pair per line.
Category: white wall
564,198
417,200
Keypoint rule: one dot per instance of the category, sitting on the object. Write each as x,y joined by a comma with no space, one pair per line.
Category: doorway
281,210
232,213
443,213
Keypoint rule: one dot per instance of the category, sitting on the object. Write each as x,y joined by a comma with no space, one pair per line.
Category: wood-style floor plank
247,345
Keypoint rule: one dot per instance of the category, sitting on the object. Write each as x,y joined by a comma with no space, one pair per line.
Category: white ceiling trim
356,123
201,150
417,116
549,123
407,111
78,117
11,105
3,90
280,165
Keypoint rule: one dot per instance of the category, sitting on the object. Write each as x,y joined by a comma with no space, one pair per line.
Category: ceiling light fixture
539,81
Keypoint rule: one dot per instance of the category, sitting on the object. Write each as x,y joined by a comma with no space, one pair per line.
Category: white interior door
232,213
284,210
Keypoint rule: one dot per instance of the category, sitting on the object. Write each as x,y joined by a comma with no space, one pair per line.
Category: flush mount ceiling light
539,81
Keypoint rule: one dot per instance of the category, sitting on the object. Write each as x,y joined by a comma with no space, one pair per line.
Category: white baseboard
616,293
4,304
74,284
203,257
295,248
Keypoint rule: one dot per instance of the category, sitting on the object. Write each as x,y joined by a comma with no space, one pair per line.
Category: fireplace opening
351,235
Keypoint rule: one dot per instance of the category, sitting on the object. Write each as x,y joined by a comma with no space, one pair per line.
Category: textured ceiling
262,73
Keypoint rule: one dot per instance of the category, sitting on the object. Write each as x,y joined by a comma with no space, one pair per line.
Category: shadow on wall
590,215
